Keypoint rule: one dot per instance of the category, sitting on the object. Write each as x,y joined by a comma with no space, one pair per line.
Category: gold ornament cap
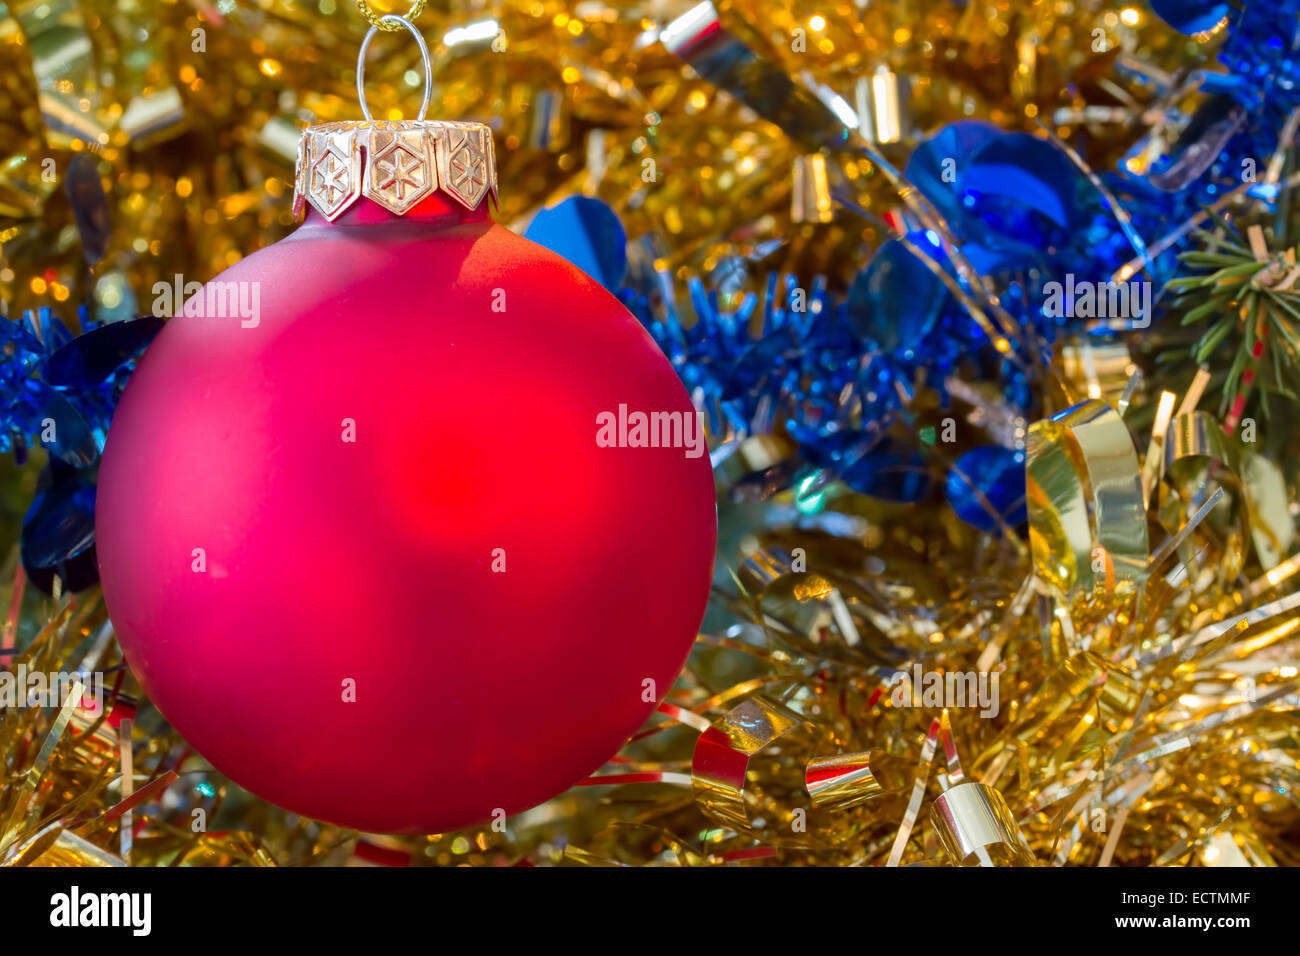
393,163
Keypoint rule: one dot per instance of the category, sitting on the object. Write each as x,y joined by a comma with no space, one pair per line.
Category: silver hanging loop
424,56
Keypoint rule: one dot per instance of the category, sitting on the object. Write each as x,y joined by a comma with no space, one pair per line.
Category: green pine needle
1232,297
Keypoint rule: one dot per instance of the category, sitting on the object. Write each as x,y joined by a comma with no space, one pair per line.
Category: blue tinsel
60,392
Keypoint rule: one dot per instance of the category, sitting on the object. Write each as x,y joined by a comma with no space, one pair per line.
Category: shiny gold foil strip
722,757
842,781
55,846
63,61
1197,450
1097,369
41,764
1272,526
976,828
1087,522
810,200
882,100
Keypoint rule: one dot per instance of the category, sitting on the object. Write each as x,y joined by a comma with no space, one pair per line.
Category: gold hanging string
377,19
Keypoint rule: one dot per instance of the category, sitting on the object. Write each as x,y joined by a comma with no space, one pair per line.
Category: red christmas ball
384,537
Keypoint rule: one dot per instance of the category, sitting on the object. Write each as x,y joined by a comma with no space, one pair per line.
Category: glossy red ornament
261,570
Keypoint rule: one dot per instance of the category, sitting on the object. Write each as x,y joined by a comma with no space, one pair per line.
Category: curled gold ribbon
1271,524
1087,520
1098,369
845,780
1199,456
754,773
722,757
976,828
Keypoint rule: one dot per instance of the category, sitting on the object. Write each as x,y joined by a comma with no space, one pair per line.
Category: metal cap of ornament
395,163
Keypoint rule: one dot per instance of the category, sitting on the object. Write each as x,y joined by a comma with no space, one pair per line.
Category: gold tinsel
1146,671
192,112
